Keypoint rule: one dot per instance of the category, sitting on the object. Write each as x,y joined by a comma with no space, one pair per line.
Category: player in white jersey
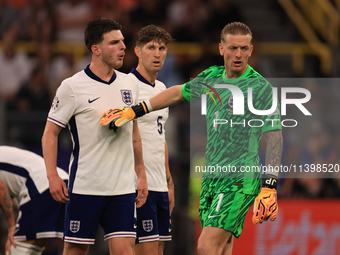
23,177
153,218
101,184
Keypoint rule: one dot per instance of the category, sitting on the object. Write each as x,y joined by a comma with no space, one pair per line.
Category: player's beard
110,61
154,69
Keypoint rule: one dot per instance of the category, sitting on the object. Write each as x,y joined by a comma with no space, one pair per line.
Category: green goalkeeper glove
265,206
124,115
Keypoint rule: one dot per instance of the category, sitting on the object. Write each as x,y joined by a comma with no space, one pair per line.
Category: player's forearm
166,98
169,181
273,151
49,144
16,208
167,169
6,205
138,152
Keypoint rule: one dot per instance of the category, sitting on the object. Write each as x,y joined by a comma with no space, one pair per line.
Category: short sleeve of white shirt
63,106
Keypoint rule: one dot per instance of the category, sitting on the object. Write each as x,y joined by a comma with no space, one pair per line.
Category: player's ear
96,49
220,46
137,51
251,50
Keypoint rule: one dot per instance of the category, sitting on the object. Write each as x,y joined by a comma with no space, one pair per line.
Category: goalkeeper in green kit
233,140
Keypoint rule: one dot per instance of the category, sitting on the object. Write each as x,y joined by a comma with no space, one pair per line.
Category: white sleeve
63,106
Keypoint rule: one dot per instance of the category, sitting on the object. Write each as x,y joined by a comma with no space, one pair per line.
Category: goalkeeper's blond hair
235,28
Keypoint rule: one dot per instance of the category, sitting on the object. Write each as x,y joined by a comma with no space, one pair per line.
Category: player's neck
232,75
149,76
101,70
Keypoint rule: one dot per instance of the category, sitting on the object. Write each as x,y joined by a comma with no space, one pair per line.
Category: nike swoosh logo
134,226
213,216
91,101
170,229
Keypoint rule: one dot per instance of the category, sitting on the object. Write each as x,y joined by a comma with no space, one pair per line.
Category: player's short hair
235,28
152,33
97,28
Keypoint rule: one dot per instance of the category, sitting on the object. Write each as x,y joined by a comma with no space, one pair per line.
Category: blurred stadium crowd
30,77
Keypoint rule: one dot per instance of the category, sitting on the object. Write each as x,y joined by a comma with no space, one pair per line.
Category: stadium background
41,43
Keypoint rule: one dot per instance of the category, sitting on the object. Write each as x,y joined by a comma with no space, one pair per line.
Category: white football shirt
24,173
151,128
102,162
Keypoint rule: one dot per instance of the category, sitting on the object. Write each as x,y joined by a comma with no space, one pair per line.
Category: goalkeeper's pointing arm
166,98
265,206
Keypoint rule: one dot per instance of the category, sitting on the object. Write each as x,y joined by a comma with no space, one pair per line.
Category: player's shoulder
131,74
160,85
14,154
212,71
134,74
8,150
77,78
132,77
11,150
121,74
144,84
129,79
253,74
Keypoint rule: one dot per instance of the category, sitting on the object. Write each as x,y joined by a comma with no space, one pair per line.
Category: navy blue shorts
41,217
115,214
153,218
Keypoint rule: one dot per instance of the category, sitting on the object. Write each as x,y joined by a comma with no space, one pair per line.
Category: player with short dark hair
38,216
153,218
97,28
104,161
152,33
226,197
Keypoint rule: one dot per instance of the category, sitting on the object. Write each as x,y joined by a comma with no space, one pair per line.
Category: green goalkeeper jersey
233,143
